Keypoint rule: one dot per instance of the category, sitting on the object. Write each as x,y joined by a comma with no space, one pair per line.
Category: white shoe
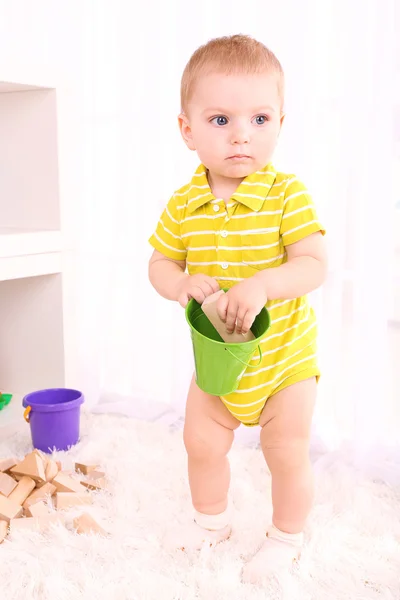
194,537
278,553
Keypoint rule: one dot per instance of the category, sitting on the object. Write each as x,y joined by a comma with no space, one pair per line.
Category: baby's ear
186,131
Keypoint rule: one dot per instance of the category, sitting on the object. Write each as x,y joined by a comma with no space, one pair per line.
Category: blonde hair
228,55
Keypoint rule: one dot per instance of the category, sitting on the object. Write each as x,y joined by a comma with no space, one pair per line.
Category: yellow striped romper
268,211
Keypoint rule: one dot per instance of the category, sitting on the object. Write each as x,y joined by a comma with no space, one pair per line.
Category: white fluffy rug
353,537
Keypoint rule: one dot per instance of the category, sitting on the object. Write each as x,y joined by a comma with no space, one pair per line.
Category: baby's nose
240,136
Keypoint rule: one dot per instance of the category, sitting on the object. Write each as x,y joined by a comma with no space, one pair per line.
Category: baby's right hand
196,286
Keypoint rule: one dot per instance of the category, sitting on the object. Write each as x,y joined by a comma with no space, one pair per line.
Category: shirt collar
252,192
199,191
254,189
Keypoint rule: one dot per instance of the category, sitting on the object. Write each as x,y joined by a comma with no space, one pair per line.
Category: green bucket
220,365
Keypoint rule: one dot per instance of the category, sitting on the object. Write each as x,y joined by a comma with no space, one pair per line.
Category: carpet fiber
352,539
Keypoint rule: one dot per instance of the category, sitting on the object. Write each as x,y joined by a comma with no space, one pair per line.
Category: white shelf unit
25,253
31,241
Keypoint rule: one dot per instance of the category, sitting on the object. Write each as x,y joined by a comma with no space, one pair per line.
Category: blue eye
219,121
260,119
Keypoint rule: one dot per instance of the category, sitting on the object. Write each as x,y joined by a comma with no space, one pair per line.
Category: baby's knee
286,454
200,444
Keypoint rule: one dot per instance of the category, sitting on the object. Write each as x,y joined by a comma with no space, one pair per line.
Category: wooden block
40,485
9,509
68,499
19,477
214,297
39,509
28,523
7,484
51,470
23,490
33,466
35,523
96,484
64,483
209,308
3,530
69,472
86,524
7,463
48,489
85,468
95,475
44,457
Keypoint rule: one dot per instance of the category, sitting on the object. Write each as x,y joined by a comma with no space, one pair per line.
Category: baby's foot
204,530
278,553
194,537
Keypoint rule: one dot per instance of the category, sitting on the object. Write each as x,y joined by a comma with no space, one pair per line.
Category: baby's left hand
241,304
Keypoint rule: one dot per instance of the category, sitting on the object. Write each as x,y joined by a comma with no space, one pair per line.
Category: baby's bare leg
208,437
285,441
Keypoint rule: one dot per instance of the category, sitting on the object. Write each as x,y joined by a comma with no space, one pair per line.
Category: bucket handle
244,363
26,413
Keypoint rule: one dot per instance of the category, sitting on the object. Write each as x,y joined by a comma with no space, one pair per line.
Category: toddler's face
233,122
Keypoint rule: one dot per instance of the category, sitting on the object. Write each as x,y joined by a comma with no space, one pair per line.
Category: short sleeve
167,236
299,216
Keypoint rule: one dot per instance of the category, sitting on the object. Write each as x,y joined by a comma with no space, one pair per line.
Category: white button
224,234
216,208
224,265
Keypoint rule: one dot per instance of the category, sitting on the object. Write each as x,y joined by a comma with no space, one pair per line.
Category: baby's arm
166,274
168,277
304,271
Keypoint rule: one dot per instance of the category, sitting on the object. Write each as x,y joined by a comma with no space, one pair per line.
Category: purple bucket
54,417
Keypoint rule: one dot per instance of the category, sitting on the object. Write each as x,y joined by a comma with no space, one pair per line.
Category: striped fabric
268,211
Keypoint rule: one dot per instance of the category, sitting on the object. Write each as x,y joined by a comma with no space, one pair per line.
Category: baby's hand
241,304
196,286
